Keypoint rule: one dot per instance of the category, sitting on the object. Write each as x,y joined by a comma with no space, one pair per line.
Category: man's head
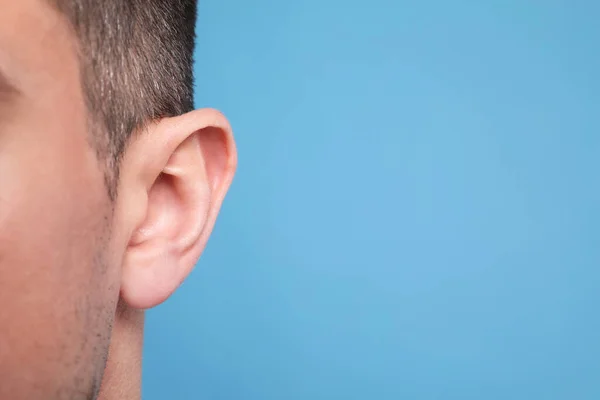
109,182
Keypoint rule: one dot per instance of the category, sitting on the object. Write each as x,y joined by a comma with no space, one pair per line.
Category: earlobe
189,164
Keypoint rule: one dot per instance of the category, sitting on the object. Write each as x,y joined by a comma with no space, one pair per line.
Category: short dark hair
136,67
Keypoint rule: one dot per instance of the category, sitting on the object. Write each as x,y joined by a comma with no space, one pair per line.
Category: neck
123,373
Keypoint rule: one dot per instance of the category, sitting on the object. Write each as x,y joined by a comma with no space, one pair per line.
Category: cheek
58,289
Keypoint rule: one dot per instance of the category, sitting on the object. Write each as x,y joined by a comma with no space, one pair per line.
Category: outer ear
182,168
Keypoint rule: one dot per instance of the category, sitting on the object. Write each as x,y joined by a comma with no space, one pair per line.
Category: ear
178,173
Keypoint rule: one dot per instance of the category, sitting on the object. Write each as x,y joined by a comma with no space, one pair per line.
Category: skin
77,271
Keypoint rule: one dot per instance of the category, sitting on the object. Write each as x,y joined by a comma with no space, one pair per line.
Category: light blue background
416,213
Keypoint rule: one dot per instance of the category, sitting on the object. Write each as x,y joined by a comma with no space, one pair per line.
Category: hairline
96,129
